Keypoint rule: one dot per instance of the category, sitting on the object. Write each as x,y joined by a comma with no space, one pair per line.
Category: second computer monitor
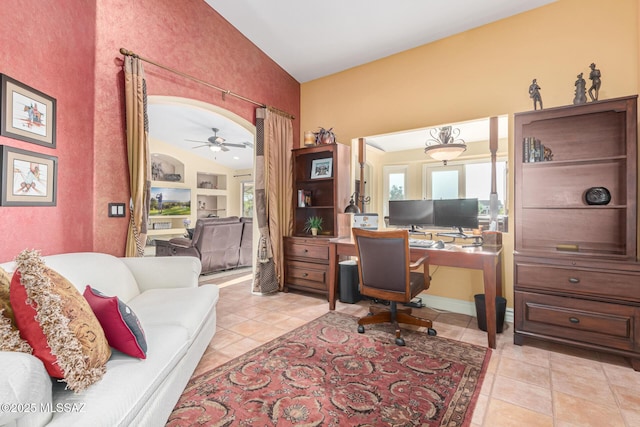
459,213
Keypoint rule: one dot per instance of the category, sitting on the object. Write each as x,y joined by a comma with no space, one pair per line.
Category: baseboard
457,306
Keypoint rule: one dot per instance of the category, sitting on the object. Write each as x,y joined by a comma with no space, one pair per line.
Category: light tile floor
537,384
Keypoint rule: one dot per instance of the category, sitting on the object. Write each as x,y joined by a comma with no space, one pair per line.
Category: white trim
386,171
457,306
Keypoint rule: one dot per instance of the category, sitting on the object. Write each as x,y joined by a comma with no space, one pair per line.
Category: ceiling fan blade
224,148
248,144
200,146
234,145
193,140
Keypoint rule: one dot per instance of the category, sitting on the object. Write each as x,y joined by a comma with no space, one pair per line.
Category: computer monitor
459,213
411,213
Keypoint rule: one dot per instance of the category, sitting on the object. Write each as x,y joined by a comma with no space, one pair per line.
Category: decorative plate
597,196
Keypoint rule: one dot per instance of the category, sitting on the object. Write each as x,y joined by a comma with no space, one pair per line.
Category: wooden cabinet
321,181
576,278
307,264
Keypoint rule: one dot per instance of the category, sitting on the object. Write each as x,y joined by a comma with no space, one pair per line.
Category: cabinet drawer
307,275
614,285
319,253
599,323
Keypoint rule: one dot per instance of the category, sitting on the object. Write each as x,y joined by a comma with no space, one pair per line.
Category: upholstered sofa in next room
178,318
219,243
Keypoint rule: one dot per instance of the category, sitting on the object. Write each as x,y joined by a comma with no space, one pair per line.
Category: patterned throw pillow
10,339
5,302
58,323
121,326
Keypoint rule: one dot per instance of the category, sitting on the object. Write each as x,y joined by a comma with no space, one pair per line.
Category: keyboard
421,243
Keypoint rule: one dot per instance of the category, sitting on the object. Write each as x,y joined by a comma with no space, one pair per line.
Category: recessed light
236,158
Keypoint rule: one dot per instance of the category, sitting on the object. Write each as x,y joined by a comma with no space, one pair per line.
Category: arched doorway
214,149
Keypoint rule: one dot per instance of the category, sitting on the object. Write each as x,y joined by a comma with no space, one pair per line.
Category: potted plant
313,225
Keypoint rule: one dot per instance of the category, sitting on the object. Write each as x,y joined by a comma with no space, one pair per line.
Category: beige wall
482,73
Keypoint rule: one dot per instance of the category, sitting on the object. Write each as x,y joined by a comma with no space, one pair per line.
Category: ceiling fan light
215,148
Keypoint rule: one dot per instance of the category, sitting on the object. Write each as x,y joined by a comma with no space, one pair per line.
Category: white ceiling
470,132
175,124
312,39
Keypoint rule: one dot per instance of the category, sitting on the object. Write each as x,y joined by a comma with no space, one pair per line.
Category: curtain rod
202,82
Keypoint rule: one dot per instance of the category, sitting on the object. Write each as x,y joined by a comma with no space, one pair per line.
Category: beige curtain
138,155
273,196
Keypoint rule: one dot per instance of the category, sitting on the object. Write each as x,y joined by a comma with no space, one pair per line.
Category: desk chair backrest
383,264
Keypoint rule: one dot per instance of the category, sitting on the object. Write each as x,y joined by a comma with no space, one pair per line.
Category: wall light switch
116,210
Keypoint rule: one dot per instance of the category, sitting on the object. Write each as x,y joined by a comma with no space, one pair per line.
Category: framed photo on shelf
26,113
28,178
321,168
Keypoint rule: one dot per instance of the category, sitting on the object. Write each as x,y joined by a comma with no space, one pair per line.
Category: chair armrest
182,242
164,272
418,263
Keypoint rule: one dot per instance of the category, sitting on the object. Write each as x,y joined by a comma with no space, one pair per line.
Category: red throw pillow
120,324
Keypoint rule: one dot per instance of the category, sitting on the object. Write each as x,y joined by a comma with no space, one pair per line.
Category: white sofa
179,321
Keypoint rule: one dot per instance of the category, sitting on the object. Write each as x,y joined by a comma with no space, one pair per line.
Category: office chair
384,268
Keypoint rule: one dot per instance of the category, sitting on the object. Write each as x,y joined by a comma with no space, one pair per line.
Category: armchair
384,267
216,242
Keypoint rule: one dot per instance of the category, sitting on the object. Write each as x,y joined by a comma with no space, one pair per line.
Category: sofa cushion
187,307
102,271
129,382
120,324
58,323
24,380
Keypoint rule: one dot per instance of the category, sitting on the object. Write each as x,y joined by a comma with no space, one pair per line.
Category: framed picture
27,178
26,114
321,168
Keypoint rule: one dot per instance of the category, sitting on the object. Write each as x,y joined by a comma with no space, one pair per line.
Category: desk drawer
616,285
307,275
595,322
301,249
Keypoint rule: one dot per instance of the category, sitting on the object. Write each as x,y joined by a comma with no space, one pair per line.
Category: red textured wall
52,49
72,53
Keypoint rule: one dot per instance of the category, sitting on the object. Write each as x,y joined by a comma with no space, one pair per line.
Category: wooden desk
487,259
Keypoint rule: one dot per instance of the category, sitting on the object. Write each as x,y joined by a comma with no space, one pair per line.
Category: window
247,199
395,185
445,182
468,180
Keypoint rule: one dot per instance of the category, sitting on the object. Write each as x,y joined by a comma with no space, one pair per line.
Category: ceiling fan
217,143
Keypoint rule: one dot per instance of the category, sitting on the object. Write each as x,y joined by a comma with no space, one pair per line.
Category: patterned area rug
327,374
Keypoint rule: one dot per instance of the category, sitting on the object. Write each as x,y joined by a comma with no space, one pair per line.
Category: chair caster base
400,342
360,329
432,332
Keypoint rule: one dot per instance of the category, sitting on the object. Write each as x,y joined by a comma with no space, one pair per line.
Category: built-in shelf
209,204
166,168
211,181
